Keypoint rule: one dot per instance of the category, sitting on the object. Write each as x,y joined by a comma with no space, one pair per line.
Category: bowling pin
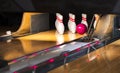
96,20
71,23
8,33
59,23
84,19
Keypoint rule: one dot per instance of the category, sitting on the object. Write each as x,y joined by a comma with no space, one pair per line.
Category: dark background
12,20
86,6
11,11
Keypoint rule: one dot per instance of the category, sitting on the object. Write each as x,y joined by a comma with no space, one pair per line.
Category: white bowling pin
84,19
59,23
96,20
8,33
71,23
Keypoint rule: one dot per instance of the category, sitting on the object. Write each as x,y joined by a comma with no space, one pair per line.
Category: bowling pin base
60,33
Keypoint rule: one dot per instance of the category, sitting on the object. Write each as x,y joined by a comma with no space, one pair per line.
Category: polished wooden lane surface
52,35
33,43
103,60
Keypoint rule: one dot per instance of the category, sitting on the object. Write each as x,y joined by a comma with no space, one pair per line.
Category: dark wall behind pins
12,20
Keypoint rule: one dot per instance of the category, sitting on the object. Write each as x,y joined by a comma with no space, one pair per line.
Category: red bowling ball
81,28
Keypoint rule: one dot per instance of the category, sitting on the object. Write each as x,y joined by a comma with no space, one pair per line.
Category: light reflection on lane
103,60
32,43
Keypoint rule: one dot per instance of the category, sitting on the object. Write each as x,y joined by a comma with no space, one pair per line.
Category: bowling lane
103,60
52,35
33,43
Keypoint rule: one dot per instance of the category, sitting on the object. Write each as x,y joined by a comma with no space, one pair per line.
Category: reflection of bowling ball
81,28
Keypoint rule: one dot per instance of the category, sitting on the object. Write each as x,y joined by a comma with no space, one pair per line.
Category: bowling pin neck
59,15
72,17
84,19
84,16
59,20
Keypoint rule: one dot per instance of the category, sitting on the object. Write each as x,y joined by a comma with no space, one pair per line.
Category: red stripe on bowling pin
71,19
84,19
59,20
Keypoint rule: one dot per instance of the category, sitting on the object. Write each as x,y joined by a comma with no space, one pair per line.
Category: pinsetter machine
54,55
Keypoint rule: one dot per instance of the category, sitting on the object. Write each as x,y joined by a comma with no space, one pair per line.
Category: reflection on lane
18,48
49,36
32,43
107,61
